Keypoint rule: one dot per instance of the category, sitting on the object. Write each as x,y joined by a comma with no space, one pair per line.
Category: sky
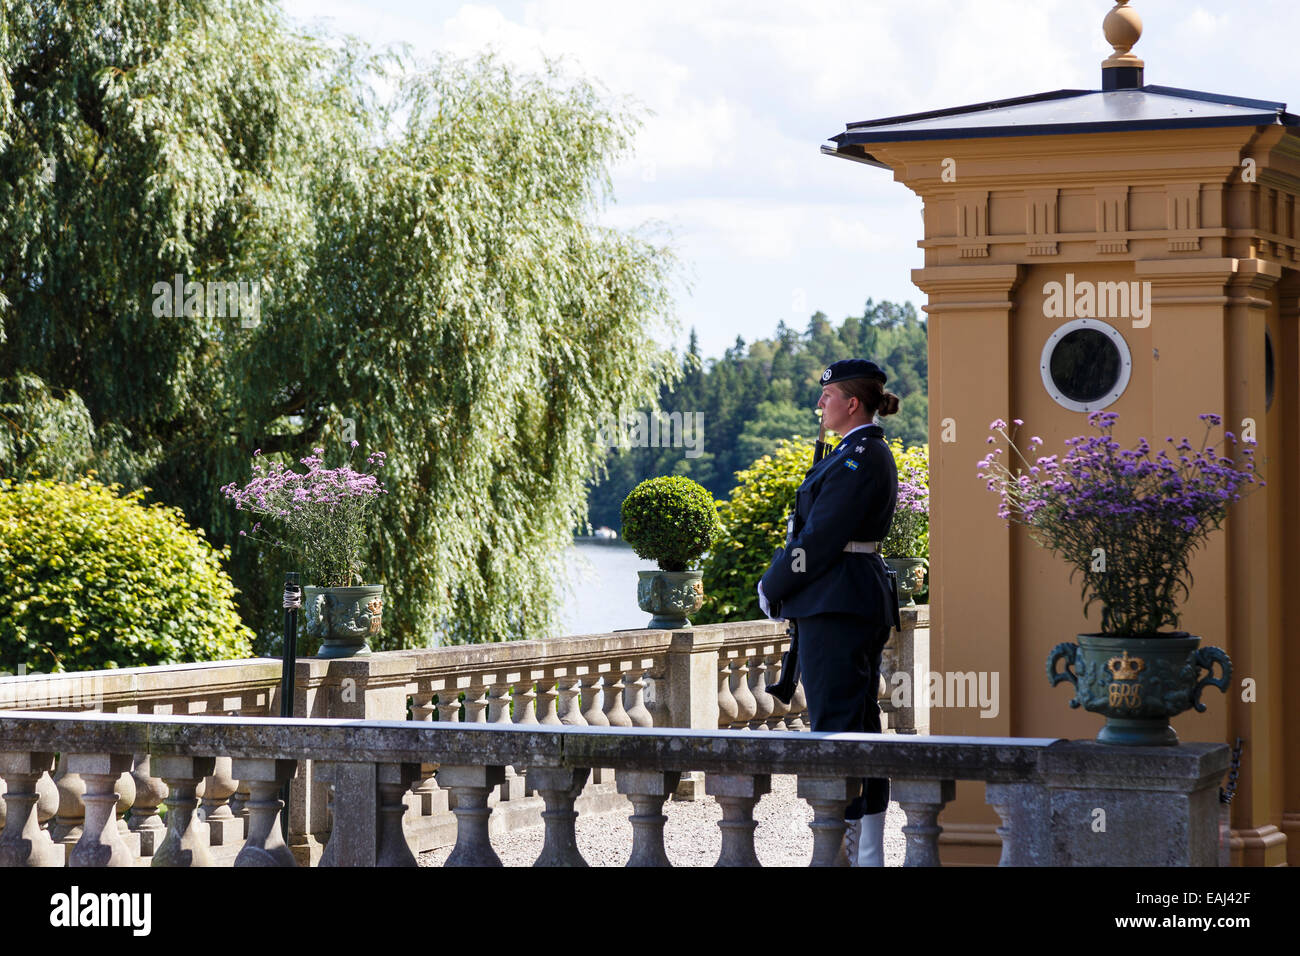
737,97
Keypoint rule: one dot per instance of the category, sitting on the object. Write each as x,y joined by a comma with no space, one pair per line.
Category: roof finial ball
1122,70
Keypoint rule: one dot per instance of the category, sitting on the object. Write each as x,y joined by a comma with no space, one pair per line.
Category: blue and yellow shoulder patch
850,464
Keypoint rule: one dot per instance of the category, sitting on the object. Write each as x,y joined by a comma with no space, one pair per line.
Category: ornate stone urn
670,596
343,619
1138,683
911,578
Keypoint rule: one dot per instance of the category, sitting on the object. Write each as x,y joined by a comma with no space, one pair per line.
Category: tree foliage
760,393
433,284
754,525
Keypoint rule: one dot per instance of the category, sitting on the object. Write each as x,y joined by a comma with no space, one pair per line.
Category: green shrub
754,519
671,519
91,580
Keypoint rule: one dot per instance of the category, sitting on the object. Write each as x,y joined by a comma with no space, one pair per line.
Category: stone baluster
23,842
589,686
476,704
393,780
223,828
560,787
423,789
570,691
737,794
829,797
266,778
499,704
1018,804
612,691
67,826
525,700
648,789
922,801
101,842
186,842
746,706
449,705
798,709
47,805
763,701
239,808
546,698
149,792
498,712
470,787
125,790
780,709
727,706
637,712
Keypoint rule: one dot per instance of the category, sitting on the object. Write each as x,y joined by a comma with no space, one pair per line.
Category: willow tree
433,280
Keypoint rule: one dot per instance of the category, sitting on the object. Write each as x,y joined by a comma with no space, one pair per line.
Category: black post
292,601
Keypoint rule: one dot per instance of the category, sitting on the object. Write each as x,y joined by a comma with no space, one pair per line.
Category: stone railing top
122,688
994,759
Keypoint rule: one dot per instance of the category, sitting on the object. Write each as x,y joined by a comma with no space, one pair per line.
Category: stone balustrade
1160,802
706,677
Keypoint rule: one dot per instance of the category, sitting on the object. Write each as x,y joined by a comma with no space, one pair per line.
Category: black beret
846,369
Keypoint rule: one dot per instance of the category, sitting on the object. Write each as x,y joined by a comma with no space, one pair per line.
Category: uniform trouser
839,658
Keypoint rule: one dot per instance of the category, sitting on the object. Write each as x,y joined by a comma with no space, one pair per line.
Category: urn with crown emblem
1138,683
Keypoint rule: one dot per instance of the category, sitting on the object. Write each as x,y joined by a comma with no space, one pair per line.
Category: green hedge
754,519
670,519
90,579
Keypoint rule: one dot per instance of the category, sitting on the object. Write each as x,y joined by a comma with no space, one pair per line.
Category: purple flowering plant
323,512
1127,521
909,532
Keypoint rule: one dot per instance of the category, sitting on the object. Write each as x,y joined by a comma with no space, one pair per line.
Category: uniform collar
870,430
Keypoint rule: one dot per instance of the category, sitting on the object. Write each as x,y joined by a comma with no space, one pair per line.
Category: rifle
783,690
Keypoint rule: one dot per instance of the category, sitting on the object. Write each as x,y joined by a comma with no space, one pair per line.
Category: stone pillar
648,789
691,679
101,842
559,787
186,842
829,797
737,794
266,779
1133,806
922,801
24,843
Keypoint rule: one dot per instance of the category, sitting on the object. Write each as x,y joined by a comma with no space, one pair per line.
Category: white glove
763,604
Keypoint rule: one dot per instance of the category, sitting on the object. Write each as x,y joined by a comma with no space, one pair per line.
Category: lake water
602,588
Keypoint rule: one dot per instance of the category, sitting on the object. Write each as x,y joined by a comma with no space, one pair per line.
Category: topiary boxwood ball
671,520
91,580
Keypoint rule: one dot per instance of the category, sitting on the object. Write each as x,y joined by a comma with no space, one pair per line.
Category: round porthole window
1086,365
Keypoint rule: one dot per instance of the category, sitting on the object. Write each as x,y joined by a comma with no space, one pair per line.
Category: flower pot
670,596
1138,683
911,578
343,619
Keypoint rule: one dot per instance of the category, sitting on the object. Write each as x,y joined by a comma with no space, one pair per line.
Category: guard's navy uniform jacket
843,601
849,495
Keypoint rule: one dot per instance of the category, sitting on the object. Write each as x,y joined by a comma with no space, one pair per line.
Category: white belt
862,547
